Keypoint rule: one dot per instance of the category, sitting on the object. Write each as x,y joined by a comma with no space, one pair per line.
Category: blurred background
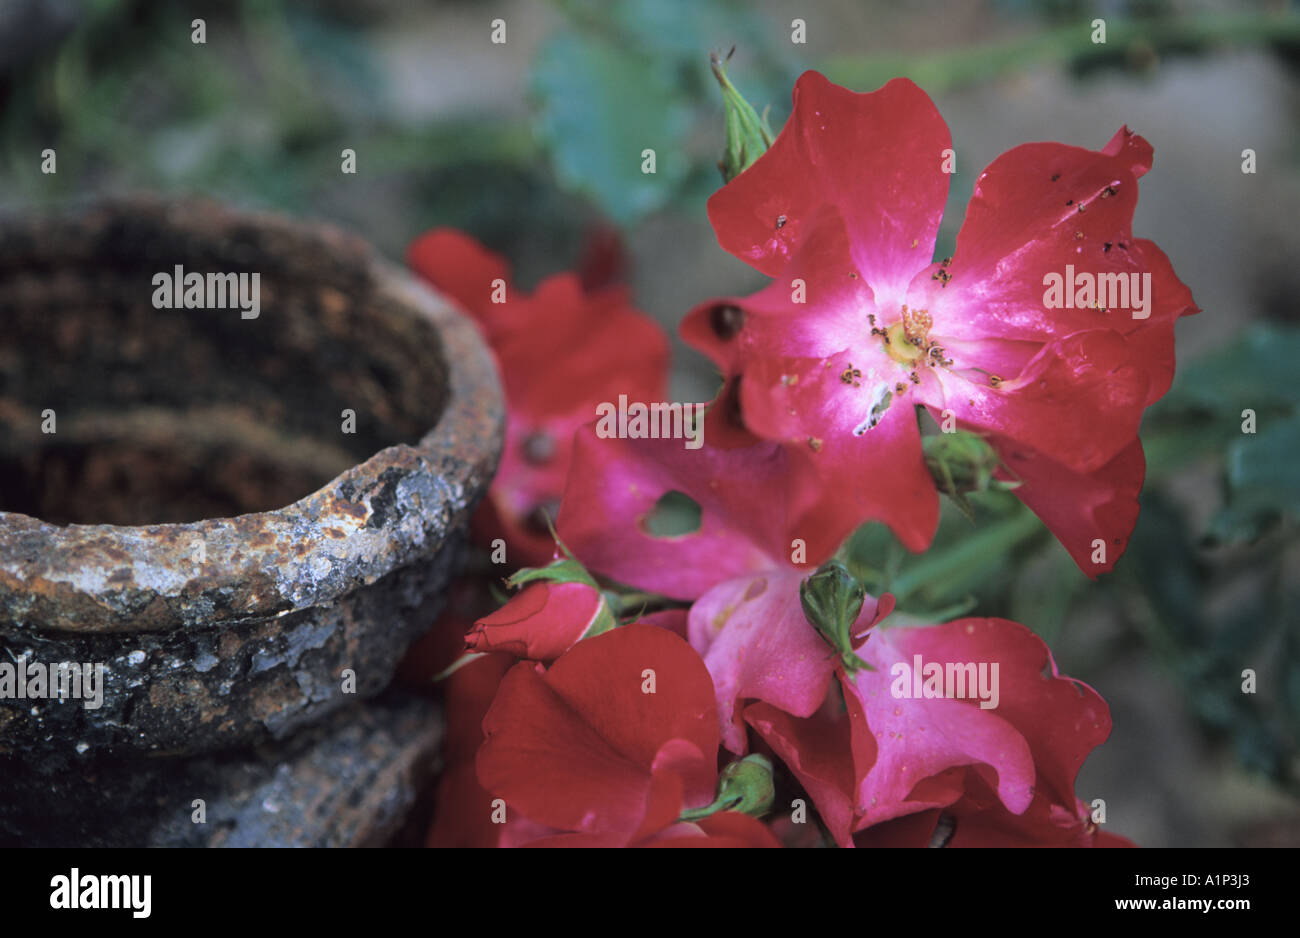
534,146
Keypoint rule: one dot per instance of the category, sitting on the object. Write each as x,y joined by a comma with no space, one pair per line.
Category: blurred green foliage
624,77
595,101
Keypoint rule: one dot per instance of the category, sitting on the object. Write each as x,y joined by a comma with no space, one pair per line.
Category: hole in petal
675,514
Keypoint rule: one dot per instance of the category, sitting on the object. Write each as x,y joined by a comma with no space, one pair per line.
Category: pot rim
103,578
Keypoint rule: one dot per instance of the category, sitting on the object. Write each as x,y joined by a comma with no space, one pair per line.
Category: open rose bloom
735,685
860,326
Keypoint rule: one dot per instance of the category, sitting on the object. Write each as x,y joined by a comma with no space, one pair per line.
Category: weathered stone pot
233,515
347,781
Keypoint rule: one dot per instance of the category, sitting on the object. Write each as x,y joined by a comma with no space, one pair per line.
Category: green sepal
561,570
832,599
745,786
748,135
962,462
604,620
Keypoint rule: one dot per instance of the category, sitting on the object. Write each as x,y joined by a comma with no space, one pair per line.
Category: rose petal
576,747
757,644
878,158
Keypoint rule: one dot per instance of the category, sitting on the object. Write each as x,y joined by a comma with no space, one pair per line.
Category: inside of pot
142,383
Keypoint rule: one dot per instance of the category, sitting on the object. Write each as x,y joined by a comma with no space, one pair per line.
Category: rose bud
543,621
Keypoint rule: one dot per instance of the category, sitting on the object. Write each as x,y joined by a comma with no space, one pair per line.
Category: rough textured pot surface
149,531
348,781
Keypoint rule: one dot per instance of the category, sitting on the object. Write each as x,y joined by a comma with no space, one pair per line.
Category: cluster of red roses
595,716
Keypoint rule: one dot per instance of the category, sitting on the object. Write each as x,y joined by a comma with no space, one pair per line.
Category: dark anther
727,321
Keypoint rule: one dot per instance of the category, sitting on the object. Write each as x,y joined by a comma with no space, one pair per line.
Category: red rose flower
611,745
1014,761
542,621
859,325
749,497
981,820
463,810
561,351
878,756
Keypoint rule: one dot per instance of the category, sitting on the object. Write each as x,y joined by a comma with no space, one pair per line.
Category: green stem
721,803
642,602
944,566
1068,45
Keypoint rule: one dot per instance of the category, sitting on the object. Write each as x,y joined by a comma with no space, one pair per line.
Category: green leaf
602,109
564,570
1256,371
1263,474
680,29
1202,415
1263,468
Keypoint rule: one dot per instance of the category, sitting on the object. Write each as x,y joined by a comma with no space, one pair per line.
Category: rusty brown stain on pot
228,644
274,699
351,509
